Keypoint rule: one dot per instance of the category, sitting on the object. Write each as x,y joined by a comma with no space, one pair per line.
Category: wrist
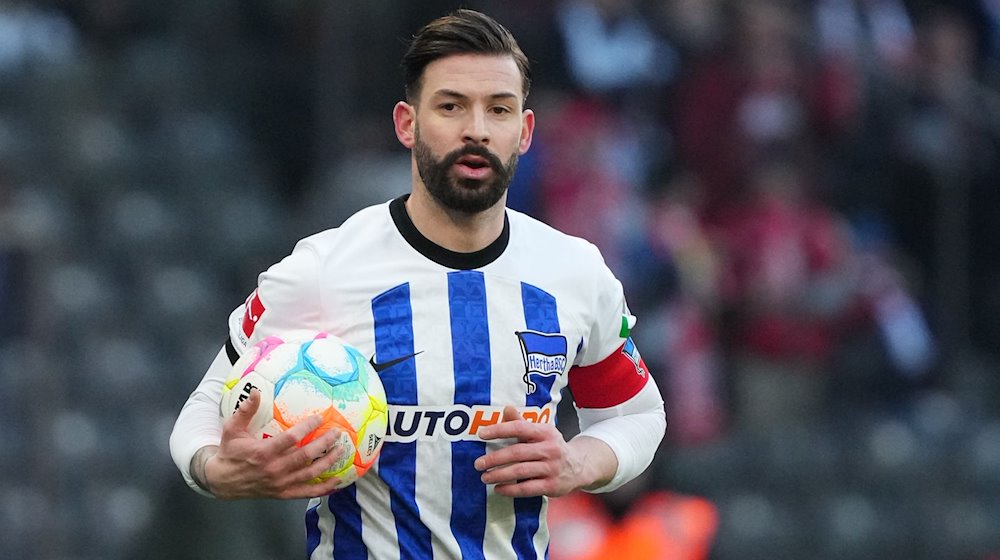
199,466
598,463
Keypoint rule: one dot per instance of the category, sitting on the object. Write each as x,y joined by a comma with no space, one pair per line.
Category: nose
476,128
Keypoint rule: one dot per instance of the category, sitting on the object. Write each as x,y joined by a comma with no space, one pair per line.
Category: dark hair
460,32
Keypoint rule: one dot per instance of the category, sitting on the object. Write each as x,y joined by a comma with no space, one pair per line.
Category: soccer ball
318,375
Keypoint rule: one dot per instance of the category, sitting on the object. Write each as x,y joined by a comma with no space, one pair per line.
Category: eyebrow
458,95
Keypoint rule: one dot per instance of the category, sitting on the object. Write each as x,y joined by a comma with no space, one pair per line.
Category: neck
455,231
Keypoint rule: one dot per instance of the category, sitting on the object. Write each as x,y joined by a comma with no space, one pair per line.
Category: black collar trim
437,253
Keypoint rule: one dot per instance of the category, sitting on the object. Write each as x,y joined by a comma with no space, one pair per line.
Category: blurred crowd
799,196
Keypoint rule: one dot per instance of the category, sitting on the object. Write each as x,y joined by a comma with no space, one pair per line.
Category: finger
522,430
324,463
526,488
513,472
311,489
309,471
240,421
322,446
517,453
296,458
291,437
510,414
511,417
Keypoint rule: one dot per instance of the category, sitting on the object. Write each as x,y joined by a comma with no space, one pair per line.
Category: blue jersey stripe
393,339
470,343
470,337
540,314
398,461
312,530
347,543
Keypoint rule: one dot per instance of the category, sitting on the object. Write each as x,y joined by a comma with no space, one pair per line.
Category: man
467,308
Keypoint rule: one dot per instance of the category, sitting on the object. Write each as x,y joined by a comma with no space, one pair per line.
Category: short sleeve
611,321
287,299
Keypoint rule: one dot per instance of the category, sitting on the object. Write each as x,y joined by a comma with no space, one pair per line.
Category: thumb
240,420
510,414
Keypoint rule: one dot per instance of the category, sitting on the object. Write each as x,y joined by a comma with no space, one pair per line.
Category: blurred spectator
875,35
948,141
787,264
743,98
789,286
861,48
614,54
798,282
589,178
695,26
676,233
610,45
685,351
908,341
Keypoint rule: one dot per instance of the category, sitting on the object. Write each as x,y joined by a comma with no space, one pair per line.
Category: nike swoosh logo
379,368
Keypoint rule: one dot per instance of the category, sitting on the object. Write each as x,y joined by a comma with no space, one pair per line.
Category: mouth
475,162
473,167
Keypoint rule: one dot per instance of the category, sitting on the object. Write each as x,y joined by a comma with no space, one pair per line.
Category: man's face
469,130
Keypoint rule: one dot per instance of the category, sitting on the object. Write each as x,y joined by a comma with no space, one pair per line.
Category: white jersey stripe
435,460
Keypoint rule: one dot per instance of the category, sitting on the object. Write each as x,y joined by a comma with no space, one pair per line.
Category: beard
469,196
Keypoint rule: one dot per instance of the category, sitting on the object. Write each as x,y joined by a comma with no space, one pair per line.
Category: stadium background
801,198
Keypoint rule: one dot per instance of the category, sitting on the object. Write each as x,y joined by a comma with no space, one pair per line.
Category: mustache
475,150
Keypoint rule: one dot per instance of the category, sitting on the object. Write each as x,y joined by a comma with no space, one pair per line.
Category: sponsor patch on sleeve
253,309
628,323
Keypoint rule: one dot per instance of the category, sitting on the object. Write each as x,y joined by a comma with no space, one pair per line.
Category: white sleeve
632,429
200,423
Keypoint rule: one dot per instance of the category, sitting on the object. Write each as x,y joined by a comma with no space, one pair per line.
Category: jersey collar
437,253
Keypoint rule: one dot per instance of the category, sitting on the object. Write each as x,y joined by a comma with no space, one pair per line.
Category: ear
527,130
404,117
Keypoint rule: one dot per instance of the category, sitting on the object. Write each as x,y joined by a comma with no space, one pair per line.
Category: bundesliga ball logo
323,376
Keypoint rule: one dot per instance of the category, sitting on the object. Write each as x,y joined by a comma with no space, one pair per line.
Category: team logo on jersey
632,353
544,357
253,309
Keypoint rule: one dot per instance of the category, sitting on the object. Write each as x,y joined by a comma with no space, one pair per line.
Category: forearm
199,424
632,432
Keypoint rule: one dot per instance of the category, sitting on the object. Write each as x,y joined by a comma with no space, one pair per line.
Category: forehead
473,75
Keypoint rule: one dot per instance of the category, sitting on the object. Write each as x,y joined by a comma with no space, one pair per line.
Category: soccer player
475,317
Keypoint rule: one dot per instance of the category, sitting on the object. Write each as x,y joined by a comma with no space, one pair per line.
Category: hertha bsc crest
544,358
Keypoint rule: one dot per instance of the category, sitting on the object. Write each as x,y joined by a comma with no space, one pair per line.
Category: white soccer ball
315,375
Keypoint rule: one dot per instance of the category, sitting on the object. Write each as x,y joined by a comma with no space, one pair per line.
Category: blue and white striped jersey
454,338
